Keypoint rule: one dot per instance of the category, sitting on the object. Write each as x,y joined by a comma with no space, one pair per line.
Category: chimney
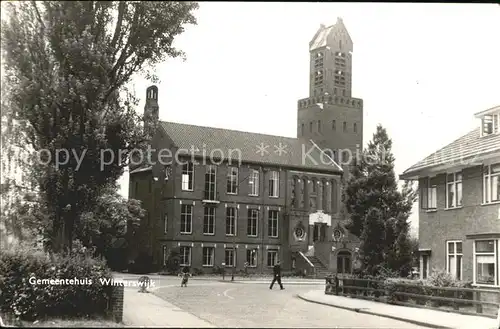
151,113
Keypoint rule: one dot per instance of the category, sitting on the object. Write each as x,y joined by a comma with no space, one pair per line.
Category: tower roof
320,39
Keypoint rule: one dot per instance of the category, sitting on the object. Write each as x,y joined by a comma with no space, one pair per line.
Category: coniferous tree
372,241
373,185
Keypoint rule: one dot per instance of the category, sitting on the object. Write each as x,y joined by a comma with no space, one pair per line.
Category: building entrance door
344,262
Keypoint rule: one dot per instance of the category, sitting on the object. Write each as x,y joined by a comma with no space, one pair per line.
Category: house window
319,126
453,190
252,257
230,257
210,182
490,124
486,262
232,180
454,259
491,183
355,127
186,218
209,221
187,176
334,124
253,220
274,184
165,223
185,256
272,228
272,257
208,256
231,220
429,196
344,126
253,182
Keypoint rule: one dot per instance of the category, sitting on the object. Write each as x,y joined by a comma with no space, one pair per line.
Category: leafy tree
373,185
70,63
372,241
108,223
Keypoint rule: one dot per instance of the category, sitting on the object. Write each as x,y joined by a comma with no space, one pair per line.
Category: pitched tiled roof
254,148
467,150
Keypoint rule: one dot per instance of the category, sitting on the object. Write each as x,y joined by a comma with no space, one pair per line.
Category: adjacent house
459,215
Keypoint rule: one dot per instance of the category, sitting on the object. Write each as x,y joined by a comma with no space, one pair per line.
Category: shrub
218,270
441,278
197,271
143,264
28,301
394,286
173,260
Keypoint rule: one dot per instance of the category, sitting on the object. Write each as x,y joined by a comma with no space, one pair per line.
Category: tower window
344,126
355,127
334,125
319,126
310,126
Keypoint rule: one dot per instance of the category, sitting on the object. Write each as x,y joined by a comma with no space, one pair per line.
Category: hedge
21,298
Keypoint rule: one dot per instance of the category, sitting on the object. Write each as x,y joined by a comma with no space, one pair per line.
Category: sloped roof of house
249,147
467,150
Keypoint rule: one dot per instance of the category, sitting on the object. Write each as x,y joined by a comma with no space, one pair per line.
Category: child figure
185,276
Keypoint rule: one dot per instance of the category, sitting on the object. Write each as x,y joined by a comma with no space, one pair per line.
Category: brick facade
473,219
170,197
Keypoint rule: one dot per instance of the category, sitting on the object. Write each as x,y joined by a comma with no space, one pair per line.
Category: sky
423,70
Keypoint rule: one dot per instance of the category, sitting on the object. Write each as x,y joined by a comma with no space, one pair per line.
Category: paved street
254,305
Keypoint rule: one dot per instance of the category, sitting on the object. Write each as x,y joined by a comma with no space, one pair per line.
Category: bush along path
39,287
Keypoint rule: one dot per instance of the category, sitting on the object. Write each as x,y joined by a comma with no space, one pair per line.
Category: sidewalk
148,310
268,281
418,316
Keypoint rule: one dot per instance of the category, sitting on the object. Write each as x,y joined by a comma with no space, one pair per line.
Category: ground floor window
272,257
454,259
208,256
185,256
230,257
486,262
252,257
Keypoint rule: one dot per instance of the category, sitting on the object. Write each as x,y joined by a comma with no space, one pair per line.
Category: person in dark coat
277,275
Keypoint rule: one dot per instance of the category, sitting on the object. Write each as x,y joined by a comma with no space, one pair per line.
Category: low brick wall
116,304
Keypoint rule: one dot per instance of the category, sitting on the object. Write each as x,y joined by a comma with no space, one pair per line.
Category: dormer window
490,124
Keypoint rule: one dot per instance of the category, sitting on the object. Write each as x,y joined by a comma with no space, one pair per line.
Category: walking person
277,275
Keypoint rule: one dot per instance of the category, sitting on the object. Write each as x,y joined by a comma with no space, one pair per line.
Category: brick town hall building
235,197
